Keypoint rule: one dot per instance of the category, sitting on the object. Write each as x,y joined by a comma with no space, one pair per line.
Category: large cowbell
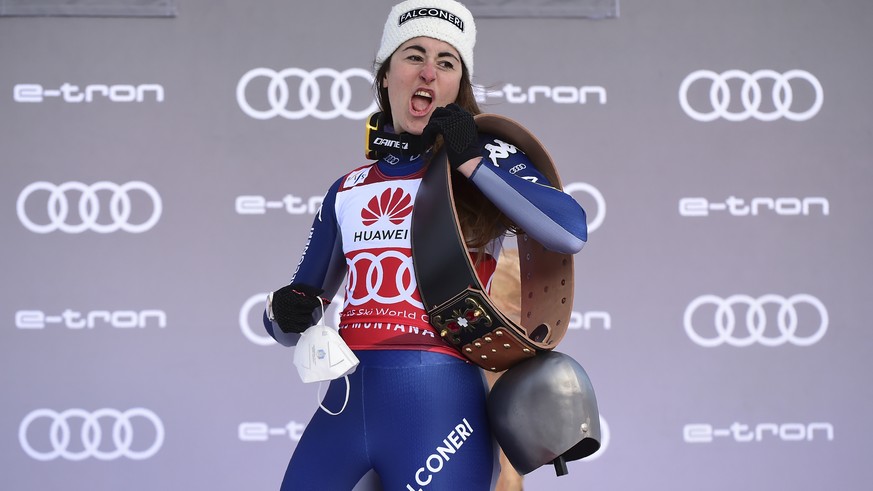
544,410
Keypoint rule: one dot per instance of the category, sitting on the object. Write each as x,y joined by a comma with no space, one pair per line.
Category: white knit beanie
446,20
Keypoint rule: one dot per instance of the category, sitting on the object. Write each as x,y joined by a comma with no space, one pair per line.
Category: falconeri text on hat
446,20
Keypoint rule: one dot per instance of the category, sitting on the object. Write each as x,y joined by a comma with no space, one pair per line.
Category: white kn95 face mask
322,355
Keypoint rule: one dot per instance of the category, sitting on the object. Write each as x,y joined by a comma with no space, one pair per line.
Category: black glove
292,306
460,134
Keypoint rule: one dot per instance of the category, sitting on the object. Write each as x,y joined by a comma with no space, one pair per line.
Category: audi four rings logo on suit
723,327
136,434
751,96
91,205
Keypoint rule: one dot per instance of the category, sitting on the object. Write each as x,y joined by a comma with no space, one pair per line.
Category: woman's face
424,74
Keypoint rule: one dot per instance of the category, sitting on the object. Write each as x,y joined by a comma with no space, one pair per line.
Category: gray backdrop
155,186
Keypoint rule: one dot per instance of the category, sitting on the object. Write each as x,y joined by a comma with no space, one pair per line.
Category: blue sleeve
322,264
508,178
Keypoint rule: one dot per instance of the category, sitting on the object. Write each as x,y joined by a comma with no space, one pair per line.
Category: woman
416,410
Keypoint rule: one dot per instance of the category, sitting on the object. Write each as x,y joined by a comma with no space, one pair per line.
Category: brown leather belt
456,301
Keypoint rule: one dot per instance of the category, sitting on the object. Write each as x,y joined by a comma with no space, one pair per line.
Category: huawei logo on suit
393,205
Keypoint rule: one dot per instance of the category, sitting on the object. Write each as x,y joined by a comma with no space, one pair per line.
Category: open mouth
421,102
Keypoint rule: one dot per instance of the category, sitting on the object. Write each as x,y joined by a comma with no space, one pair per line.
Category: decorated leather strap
456,301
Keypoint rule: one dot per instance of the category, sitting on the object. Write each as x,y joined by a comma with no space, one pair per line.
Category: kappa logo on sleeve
500,150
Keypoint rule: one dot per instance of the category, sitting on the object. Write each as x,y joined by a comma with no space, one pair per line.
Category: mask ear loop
318,398
348,385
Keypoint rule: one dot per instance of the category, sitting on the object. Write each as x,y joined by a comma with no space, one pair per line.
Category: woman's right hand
291,306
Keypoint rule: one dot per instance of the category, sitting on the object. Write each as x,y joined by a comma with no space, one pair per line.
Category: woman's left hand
460,134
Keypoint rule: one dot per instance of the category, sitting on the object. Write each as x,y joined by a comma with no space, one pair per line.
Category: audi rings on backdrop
252,310
725,320
600,215
89,207
92,442
254,333
278,94
750,95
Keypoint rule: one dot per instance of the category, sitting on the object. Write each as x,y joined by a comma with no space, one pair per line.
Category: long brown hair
480,220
